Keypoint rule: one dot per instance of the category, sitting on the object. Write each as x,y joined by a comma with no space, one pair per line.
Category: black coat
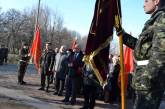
47,61
89,77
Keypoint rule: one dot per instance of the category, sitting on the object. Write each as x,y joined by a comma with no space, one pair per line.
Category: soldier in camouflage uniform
149,53
23,62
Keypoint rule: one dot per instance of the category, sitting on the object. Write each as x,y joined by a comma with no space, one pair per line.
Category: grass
13,58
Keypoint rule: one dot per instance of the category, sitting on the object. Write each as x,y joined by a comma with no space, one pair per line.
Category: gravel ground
14,96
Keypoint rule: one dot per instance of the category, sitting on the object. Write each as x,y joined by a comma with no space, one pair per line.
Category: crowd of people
70,73
65,69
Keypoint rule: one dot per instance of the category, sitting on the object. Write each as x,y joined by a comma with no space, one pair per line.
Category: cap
48,43
25,44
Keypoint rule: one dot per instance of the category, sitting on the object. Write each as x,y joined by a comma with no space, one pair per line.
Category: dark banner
100,35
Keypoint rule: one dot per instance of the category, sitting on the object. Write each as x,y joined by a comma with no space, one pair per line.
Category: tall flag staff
107,15
38,12
36,47
119,29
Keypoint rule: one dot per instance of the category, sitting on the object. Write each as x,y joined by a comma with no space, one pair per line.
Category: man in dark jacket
23,62
90,86
112,80
46,65
74,77
1,56
4,53
52,78
149,52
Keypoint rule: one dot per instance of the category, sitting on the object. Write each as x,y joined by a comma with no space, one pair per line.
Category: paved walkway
18,98
14,96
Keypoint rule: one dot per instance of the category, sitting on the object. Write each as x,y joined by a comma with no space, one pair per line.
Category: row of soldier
65,68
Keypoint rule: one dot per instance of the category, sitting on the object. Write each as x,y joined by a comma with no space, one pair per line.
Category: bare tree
13,22
17,27
83,42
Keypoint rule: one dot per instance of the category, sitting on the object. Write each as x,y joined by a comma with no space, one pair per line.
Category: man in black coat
4,53
46,66
90,86
1,56
74,77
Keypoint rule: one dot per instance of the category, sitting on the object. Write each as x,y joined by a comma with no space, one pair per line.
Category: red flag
128,60
100,35
128,65
36,48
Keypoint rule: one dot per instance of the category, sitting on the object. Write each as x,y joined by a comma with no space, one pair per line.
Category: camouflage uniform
23,62
148,79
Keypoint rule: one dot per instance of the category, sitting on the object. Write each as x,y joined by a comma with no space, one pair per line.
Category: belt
23,61
143,62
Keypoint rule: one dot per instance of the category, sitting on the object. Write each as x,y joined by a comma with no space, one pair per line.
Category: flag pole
36,23
38,13
37,17
123,101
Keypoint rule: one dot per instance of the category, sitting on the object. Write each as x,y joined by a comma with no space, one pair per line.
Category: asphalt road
14,96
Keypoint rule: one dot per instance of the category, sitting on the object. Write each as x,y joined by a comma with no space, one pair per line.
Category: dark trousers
114,92
89,96
59,85
71,89
45,77
148,99
5,59
1,60
51,77
21,71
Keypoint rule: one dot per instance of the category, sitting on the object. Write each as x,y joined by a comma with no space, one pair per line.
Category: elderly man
60,69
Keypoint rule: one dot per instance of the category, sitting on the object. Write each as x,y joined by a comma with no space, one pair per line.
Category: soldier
149,52
46,65
23,62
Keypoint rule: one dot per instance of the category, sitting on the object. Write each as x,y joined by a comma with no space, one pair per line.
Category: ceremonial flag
99,37
35,50
128,60
128,65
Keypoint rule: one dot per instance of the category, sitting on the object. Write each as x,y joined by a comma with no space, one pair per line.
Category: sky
78,14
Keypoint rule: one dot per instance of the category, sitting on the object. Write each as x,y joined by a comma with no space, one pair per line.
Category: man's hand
29,54
39,70
119,32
